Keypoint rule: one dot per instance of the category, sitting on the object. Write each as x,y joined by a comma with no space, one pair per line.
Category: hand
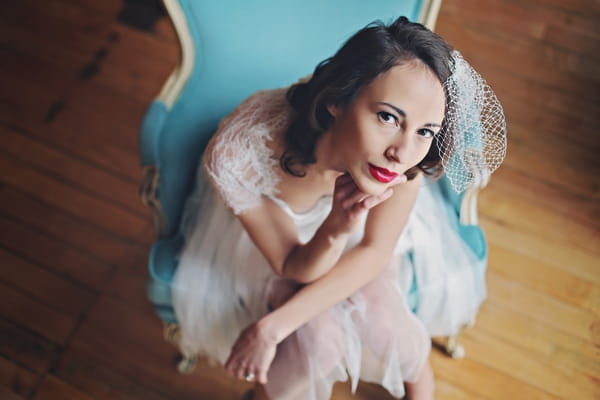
349,203
252,354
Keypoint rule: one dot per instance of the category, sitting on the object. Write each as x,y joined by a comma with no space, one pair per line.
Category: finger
356,209
372,201
249,376
344,190
242,373
343,179
228,365
232,366
261,377
345,183
399,179
355,197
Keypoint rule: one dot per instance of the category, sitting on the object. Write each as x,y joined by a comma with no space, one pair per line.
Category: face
389,127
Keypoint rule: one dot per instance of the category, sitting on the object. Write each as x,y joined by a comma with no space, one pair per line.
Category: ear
333,110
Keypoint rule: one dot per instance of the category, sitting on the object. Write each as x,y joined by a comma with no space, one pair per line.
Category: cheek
357,138
421,149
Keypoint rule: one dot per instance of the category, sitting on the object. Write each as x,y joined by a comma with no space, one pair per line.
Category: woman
292,277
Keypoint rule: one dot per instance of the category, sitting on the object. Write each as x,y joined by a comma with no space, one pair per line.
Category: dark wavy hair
337,80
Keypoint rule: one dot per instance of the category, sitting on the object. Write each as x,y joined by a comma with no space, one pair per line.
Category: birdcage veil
474,141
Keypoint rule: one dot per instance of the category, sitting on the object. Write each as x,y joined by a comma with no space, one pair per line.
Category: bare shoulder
239,159
259,119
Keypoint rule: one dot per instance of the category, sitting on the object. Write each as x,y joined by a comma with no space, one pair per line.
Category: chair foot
172,334
450,345
453,348
187,364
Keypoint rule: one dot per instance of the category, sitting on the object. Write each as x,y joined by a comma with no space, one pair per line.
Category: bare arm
274,232
354,269
275,236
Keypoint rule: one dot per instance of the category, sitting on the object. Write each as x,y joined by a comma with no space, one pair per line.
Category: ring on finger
249,377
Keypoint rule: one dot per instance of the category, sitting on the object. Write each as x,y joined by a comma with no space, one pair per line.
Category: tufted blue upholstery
239,47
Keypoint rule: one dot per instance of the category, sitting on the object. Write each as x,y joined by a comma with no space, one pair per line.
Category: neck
327,158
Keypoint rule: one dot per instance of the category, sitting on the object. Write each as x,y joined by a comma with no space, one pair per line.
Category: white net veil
474,143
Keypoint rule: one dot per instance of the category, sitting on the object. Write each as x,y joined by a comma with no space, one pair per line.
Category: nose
391,154
398,151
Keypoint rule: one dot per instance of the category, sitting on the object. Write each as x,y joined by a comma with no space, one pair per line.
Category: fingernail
369,202
400,179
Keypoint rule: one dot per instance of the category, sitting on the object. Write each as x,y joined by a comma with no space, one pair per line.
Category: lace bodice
238,159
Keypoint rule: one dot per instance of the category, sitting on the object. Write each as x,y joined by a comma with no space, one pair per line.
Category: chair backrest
238,47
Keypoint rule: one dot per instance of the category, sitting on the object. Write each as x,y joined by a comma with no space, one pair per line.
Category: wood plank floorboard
16,380
53,254
75,231
73,170
25,347
53,388
44,286
76,77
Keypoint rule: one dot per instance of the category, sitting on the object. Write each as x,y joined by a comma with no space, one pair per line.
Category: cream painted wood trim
429,13
468,206
180,75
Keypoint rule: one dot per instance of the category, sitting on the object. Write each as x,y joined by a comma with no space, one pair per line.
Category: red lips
381,174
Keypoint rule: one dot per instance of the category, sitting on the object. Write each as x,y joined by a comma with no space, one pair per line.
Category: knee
424,387
326,339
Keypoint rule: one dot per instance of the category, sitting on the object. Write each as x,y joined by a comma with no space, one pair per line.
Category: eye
427,133
387,118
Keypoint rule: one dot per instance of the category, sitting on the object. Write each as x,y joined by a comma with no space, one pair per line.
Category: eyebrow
398,110
403,114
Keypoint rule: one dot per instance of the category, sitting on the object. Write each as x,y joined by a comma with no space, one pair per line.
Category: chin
369,186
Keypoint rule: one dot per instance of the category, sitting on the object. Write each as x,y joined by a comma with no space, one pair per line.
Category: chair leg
187,364
450,345
453,348
172,335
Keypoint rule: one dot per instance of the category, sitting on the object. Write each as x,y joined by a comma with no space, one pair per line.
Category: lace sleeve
238,161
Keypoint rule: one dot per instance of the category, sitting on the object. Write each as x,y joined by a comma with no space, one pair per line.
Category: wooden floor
75,79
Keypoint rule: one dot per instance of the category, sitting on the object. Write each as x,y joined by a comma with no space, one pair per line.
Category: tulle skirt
223,284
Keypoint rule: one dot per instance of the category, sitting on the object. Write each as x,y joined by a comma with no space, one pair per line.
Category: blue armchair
231,49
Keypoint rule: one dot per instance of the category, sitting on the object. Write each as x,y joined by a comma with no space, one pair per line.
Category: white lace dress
223,282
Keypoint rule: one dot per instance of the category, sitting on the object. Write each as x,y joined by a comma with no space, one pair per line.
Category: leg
259,393
423,388
307,359
397,340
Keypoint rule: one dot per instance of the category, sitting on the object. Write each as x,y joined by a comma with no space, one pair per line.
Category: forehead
413,87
